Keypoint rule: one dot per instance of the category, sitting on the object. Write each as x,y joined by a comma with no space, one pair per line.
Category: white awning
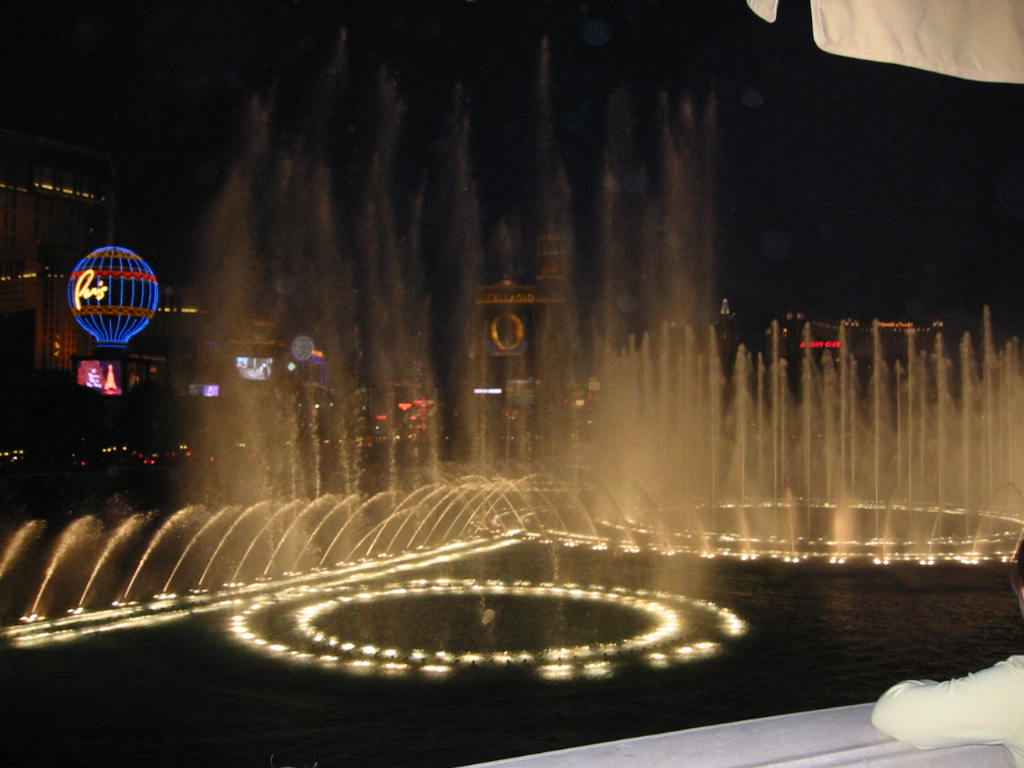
973,39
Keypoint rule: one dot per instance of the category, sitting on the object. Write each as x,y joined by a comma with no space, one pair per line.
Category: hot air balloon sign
113,294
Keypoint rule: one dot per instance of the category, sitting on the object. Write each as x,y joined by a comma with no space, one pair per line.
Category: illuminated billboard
104,376
204,390
506,333
113,295
254,368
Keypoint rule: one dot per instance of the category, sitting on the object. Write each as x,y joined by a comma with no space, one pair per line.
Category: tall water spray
898,441
302,258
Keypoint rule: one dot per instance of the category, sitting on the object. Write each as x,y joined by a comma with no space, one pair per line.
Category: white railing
824,738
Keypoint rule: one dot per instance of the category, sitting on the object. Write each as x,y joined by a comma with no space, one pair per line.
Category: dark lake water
183,694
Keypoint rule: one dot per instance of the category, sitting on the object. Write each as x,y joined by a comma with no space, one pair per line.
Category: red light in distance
821,344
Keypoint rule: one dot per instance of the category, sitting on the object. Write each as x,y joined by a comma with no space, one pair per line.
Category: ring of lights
659,646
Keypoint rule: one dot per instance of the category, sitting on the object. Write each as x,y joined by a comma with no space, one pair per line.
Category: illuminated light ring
997,546
518,332
659,646
113,294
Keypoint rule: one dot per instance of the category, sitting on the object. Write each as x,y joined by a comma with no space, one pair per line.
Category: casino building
56,203
522,375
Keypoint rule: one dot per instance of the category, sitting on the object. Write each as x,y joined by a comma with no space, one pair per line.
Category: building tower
521,341
56,203
727,335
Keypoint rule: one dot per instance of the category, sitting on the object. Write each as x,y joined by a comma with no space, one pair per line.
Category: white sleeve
975,39
986,707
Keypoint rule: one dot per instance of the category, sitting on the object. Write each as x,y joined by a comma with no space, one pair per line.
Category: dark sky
841,186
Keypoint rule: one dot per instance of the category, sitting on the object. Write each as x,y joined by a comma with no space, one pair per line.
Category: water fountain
892,463
828,457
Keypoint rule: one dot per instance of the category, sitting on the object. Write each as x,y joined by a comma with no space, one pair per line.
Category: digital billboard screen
105,376
254,368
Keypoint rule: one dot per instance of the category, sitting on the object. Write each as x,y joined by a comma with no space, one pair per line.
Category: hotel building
56,204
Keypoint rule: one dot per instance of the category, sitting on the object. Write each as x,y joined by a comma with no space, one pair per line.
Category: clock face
302,347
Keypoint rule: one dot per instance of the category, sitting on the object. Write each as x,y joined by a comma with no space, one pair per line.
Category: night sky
841,186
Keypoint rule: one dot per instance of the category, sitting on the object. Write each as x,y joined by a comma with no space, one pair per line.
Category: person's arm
986,707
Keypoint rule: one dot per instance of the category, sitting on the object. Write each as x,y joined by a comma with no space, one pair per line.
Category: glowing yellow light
556,671
597,669
436,669
84,288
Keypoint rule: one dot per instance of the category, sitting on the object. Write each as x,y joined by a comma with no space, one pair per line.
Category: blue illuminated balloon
113,295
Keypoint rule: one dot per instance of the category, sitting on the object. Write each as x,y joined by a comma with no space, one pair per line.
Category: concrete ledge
842,736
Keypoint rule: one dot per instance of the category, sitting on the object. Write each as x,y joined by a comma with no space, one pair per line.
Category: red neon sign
821,344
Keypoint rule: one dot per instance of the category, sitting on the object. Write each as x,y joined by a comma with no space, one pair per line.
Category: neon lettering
509,298
84,288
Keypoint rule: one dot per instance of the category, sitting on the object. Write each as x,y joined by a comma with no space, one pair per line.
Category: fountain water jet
124,533
177,519
71,537
254,510
343,504
211,521
27,532
311,508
